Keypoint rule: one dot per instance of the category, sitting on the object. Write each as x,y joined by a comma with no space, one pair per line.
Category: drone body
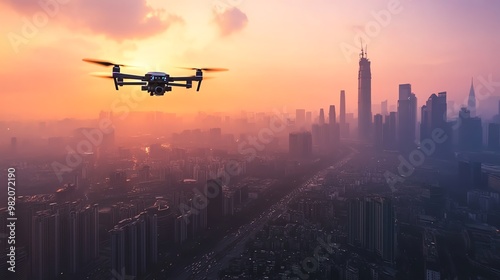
155,83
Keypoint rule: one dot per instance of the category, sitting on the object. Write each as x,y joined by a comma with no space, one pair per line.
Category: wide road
232,245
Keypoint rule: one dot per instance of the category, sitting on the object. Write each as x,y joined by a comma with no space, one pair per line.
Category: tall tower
321,117
407,116
342,107
332,118
383,108
45,245
378,130
300,117
333,129
364,97
471,105
434,120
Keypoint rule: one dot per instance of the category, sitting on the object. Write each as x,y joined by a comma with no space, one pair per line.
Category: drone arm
184,79
132,83
129,76
177,85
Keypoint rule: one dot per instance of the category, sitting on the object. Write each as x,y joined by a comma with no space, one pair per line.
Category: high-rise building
333,128
434,122
383,108
364,97
343,125
124,248
134,245
378,130
321,117
215,208
342,107
45,245
332,118
470,174
300,144
371,226
390,126
300,117
433,114
308,118
407,117
471,103
470,132
494,137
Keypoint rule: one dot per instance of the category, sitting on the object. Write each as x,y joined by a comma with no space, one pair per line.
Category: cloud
230,21
116,19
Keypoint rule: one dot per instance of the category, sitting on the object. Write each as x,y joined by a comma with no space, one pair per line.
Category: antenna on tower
366,50
362,51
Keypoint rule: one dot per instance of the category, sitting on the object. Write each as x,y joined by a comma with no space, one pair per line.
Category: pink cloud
115,19
230,21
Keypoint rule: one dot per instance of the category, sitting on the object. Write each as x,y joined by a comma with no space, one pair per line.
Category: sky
282,55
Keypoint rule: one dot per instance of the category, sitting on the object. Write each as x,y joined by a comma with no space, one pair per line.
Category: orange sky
280,53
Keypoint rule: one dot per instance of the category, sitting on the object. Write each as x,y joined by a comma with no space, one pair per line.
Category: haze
280,55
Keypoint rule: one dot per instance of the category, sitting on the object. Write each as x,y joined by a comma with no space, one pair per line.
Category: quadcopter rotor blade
206,69
102,75
205,77
102,62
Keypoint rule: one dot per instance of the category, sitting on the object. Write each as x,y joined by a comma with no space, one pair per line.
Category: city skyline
228,27
304,161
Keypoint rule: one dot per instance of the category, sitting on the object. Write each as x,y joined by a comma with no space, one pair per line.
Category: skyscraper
378,130
471,104
390,138
364,97
308,118
343,125
300,117
300,144
470,132
494,137
332,118
434,120
215,208
333,128
342,107
45,245
371,226
383,108
407,117
321,117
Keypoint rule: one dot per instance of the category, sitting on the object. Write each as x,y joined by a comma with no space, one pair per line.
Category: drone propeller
205,77
103,63
102,75
206,69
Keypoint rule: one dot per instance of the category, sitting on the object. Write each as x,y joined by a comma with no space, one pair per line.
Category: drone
155,83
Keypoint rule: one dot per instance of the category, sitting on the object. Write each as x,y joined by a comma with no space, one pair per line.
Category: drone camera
159,90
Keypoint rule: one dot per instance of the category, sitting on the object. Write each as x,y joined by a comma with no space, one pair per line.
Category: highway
233,244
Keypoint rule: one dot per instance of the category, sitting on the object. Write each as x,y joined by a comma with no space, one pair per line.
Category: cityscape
399,185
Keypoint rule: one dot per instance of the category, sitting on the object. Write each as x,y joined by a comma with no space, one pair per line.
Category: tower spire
362,51
471,104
